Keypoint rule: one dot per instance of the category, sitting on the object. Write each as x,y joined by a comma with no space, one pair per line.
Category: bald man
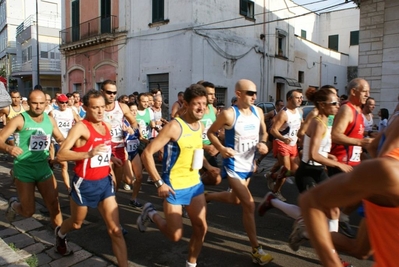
245,132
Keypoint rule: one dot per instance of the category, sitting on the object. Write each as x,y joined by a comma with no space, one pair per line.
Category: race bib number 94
39,142
102,159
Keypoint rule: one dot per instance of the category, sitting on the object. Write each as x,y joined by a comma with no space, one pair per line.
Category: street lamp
37,43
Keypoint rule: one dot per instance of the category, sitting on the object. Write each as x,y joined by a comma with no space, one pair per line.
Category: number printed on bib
102,159
39,142
356,152
247,143
132,145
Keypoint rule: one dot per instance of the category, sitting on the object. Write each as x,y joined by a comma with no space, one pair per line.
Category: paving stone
35,248
76,257
8,255
27,225
23,254
19,264
20,240
44,259
8,232
53,254
92,262
44,236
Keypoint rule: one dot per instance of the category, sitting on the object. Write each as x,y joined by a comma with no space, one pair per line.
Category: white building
171,44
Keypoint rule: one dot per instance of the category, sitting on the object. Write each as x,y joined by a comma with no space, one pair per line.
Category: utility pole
37,43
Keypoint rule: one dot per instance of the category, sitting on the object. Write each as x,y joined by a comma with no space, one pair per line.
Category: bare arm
279,120
262,147
56,131
15,124
306,123
175,108
225,118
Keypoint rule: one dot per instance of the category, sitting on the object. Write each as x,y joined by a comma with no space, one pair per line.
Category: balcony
92,32
46,67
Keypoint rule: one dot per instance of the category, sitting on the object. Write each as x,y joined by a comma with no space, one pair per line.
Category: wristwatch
158,183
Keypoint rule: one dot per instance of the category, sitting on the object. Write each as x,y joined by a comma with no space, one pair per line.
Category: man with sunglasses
347,138
115,114
285,130
65,118
245,132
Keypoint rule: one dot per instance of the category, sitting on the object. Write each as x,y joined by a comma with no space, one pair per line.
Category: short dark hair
290,92
107,82
384,113
92,93
208,84
131,104
69,95
195,90
343,97
38,86
155,91
136,93
140,95
278,101
181,93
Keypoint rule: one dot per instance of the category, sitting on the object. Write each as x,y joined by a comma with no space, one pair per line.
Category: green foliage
32,261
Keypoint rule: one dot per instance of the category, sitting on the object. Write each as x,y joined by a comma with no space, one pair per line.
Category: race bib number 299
39,142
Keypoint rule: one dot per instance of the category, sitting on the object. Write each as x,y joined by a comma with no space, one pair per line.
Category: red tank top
350,154
97,167
382,224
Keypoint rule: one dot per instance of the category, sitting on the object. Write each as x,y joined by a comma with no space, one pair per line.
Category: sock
289,209
151,214
189,264
61,235
343,217
333,225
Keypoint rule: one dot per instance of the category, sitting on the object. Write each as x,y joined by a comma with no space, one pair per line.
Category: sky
319,4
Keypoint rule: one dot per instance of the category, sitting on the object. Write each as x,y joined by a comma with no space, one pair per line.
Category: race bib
246,144
39,142
64,125
356,152
117,134
132,145
102,159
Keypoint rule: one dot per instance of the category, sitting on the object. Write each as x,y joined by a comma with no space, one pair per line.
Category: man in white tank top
65,119
367,113
285,129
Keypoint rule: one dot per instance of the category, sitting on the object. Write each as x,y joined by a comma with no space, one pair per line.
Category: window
281,43
160,81
29,53
220,94
43,54
158,10
303,34
247,8
333,42
75,21
301,76
354,39
105,16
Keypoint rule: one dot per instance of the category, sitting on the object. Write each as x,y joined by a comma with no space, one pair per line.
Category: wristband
264,142
158,183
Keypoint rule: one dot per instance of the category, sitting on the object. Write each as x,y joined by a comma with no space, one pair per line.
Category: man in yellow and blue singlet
180,183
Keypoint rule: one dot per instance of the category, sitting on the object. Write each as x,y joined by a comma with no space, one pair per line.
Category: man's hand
116,161
98,150
164,190
262,148
227,152
14,151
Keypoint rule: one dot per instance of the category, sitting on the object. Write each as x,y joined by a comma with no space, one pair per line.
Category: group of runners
107,142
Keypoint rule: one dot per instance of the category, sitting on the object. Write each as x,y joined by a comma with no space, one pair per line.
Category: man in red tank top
89,144
347,138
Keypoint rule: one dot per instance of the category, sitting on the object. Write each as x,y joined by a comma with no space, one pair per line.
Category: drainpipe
321,65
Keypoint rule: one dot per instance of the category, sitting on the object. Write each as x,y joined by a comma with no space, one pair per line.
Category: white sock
151,214
189,264
61,235
343,217
289,209
333,225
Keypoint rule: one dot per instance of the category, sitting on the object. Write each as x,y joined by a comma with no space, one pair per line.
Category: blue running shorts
184,196
89,193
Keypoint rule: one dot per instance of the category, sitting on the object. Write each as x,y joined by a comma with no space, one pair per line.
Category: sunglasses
63,102
250,93
335,103
110,92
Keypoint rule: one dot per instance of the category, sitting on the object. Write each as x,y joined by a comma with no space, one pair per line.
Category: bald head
244,84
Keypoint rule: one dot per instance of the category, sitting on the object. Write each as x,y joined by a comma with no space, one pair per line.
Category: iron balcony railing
44,65
88,29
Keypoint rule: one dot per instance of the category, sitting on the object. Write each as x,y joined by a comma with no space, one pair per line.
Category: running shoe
270,180
135,204
127,187
346,264
144,220
279,196
10,212
297,236
260,257
61,244
265,204
346,229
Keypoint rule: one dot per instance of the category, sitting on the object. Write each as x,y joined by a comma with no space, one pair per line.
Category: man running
285,129
89,144
177,105
180,183
33,130
245,132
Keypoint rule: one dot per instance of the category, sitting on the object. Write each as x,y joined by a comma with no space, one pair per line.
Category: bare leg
138,173
48,190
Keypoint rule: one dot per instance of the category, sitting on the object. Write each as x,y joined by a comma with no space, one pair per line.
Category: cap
24,99
62,98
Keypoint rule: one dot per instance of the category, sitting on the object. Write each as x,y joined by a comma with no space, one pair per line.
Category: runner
33,130
89,144
65,119
177,105
285,128
245,132
180,183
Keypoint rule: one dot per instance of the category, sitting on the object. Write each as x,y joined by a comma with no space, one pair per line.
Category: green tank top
34,140
144,123
207,120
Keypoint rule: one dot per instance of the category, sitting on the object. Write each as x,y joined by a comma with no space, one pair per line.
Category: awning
289,81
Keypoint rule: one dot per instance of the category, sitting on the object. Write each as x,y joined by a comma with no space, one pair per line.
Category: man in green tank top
33,130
